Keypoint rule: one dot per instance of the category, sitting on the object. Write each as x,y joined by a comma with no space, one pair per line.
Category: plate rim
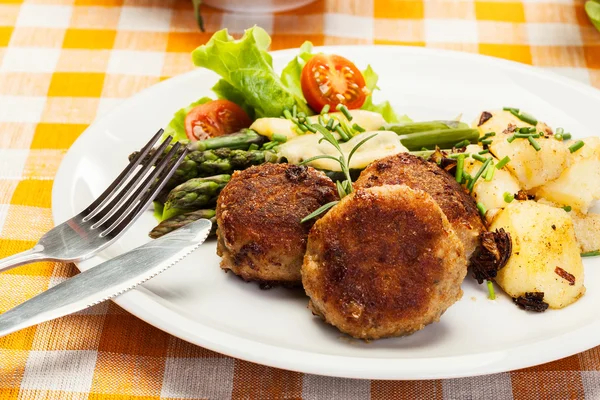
140,303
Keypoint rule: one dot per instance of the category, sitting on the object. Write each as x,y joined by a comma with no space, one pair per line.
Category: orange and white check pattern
65,62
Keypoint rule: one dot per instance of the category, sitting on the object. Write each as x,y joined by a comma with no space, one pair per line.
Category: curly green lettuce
246,66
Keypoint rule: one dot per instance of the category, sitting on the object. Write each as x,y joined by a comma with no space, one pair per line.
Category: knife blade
107,280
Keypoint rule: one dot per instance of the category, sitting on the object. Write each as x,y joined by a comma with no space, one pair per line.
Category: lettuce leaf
224,90
290,76
247,67
383,108
176,127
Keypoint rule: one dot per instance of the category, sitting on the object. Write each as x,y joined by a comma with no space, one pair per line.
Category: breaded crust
383,262
460,208
260,237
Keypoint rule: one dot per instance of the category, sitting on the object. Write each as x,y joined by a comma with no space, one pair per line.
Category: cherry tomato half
332,79
215,118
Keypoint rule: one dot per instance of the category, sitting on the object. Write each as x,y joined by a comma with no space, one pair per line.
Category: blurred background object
592,7
257,6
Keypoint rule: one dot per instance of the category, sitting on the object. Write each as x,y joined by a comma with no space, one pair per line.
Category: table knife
107,280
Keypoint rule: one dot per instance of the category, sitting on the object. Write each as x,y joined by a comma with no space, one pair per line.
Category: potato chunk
587,230
543,240
579,185
490,193
532,168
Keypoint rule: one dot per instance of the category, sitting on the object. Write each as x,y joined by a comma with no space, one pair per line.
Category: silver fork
103,221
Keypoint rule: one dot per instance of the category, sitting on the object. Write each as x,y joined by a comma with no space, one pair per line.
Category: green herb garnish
503,162
508,197
591,253
576,146
534,143
491,293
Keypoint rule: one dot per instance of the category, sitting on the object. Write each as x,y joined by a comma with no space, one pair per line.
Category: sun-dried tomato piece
565,275
485,116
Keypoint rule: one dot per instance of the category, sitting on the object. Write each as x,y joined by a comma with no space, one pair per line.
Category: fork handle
25,257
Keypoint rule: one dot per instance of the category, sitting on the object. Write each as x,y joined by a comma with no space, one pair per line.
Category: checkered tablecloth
65,62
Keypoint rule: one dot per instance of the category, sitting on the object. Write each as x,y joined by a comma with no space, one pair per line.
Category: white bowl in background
257,6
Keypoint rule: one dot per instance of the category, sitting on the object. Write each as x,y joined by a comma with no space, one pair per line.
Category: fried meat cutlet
260,237
415,172
383,262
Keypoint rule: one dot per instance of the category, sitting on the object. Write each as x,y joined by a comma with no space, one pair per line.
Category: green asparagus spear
413,127
240,140
178,221
194,194
442,138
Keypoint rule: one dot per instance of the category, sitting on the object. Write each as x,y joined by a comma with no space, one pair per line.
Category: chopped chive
527,118
330,124
567,208
566,136
503,162
456,155
478,157
526,135
524,129
462,143
478,174
344,110
269,145
325,109
558,136
511,109
534,143
560,131
576,146
278,137
311,128
460,165
287,114
511,139
319,211
294,111
301,115
491,293
341,132
508,197
358,128
321,120
424,149
489,173
484,152
591,253
253,146
486,141
481,209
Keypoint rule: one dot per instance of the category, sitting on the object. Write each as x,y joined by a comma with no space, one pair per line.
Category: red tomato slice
215,118
333,80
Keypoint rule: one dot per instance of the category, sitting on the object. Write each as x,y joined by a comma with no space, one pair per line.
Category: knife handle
28,256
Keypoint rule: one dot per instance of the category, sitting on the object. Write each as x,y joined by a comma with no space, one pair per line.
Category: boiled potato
543,238
490,193
579,185
369,120
587,230
498,123
532,168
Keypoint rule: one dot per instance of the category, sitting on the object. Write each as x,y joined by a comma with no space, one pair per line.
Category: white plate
199,303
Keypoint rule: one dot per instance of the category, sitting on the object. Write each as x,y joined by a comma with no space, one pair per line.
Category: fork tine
143,192
120,180
103,213
162,179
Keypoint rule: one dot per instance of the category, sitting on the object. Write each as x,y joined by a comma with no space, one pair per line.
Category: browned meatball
383,262
459,207
260,237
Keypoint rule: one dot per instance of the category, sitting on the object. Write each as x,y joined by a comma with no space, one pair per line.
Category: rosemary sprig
344,188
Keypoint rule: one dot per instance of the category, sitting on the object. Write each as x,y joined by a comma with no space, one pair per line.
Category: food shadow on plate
435,333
